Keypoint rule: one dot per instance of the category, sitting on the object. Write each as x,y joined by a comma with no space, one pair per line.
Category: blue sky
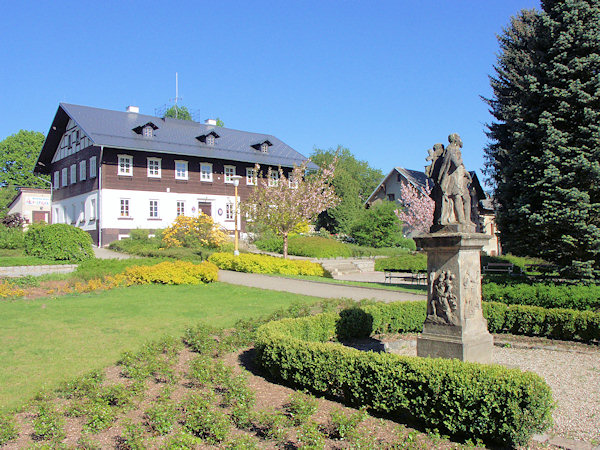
386,79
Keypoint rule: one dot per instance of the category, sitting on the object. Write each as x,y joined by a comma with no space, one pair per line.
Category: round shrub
59,241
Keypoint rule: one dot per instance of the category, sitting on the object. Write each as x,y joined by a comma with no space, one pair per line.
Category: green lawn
48,340
9,257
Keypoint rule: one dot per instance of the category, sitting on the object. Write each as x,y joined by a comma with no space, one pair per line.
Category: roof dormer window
263,146
146,130
208,138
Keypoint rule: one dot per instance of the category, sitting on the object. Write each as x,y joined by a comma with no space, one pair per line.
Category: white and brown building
32,204
115,171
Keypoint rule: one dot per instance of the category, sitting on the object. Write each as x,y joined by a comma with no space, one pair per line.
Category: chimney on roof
212,122
133,109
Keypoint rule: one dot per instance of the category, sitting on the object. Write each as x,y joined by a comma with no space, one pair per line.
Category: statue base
441,341
455,326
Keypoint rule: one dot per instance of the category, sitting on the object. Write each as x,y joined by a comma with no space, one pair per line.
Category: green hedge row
492,403
409,262
407,317
544,295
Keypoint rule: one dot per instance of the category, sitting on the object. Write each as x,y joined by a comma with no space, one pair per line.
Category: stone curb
568,444
21,271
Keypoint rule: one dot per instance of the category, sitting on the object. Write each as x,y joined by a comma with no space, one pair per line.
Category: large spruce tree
544,152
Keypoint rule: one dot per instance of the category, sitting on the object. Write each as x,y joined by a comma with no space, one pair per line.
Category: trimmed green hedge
409,262
544,295
489,402
408,317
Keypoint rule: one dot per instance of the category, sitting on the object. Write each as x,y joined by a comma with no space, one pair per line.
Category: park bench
405,275
499,268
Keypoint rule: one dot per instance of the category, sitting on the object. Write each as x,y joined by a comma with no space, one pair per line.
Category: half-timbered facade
115,171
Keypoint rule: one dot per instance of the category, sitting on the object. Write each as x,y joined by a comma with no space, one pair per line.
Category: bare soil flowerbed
270,400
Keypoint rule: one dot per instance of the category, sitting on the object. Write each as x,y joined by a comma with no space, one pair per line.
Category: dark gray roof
173,136
418,178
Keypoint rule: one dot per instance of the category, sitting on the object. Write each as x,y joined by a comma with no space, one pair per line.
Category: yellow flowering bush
192,232
178,272
265,264
7,290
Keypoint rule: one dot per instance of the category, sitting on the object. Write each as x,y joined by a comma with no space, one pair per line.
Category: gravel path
571,370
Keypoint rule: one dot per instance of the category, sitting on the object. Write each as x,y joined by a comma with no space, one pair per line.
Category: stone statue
451,192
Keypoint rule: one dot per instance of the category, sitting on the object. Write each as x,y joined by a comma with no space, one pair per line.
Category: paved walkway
314,288
104,253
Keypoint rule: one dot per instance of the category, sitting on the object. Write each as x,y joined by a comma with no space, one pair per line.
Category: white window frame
273,178
152,173
148,131
229,213
93,167
125,165
151,209
180,208
209,178
82,212
292,183
73,173
210,140
92,209
228,177
185,174
264,147
124,208
64,174
82,170
250,176
56,181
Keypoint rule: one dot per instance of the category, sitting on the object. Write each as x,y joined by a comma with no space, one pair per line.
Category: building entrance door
205,208
40,216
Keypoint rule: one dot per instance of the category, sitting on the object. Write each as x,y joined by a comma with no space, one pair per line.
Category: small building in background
33,204
483,216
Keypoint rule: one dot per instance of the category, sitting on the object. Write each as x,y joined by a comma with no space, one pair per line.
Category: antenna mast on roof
176,95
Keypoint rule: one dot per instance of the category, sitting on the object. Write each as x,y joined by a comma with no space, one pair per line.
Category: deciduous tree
291,200
178,112
18,154
353,182
417,211
544,151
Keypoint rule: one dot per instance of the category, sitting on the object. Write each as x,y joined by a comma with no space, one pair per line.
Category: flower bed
247,262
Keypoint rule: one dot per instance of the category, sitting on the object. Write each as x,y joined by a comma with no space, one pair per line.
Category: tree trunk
285,245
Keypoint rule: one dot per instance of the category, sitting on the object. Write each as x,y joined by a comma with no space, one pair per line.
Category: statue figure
451,192
443,302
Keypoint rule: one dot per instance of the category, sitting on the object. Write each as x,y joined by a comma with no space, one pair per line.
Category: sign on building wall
37,201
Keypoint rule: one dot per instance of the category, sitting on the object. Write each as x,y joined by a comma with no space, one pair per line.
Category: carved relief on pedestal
471,280
442,305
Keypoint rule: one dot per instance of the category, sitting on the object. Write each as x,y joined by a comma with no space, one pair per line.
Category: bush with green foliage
48,423
580,297
251,263
59,242
379,226
493,403
301,407
407,262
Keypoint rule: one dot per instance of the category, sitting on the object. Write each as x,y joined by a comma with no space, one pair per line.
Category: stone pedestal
454,327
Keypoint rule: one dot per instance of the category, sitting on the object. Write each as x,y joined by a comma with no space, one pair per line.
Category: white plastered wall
139,208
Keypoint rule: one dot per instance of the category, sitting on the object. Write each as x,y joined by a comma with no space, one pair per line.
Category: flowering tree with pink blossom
282,203
418,207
